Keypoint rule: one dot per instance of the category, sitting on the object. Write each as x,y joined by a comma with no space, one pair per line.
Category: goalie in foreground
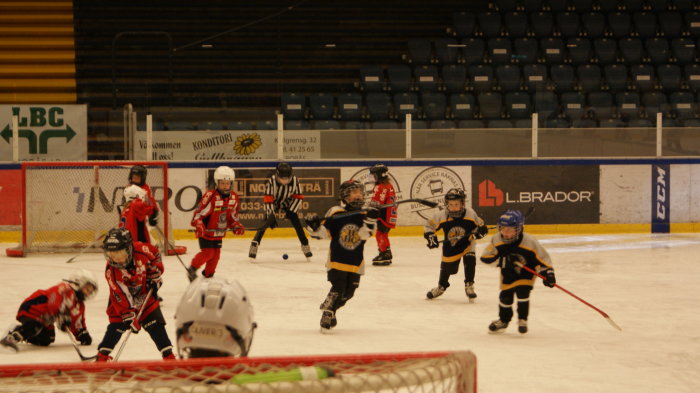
214,319
62,304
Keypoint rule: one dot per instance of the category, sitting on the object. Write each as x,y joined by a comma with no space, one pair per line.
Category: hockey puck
285,256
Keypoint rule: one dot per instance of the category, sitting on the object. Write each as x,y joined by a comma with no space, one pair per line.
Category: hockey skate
435,292
328,320
191,273
253,251
383,259
9,342
522,326
498,326
469,291
306,249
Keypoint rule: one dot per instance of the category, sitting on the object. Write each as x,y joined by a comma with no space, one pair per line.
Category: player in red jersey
62,304
137,176
217,211
383,194
136,212
133,272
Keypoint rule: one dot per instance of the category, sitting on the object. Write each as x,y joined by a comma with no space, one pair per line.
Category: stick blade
613,324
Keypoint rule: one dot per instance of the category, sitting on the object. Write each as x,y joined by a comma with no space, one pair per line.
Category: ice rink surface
648,284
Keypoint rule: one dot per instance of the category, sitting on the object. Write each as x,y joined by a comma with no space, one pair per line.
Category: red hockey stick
601,312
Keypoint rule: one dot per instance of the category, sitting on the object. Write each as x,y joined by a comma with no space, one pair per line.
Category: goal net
69,206
390,373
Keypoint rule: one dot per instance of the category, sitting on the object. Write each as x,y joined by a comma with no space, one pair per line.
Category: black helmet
345,188
118,239
139,170
283,170
380,171
455,194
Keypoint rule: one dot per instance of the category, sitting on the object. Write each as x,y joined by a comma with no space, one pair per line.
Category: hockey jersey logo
349,237
455,234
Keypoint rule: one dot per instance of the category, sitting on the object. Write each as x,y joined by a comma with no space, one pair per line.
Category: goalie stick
75,345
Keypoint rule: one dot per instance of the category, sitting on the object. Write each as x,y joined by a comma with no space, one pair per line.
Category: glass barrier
596,142
471,143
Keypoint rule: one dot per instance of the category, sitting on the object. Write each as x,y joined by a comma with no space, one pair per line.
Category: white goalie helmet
224,173
214,319
133,191
79,280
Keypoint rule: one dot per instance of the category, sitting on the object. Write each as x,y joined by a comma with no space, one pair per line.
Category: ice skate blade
325,330
7,349
499,331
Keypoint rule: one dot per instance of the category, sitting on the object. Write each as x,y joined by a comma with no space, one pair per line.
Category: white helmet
79,280
133,191
224,173
214,319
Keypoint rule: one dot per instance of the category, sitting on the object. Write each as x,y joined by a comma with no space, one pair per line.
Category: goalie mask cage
69,206
389,373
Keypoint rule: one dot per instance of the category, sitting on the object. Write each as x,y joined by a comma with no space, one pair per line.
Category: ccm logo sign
661,193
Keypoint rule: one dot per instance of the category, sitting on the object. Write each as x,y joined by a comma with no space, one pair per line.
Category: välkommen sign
46,132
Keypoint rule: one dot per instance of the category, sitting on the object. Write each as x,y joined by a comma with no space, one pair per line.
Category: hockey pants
153,323
505,302
449,268
343,286
34,332
209,255
382,236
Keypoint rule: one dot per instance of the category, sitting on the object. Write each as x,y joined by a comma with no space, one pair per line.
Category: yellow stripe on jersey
455,258
345,267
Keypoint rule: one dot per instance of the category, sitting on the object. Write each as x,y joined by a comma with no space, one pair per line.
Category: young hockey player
62,304
214,319
136,211
217,211
512,248
282,194
461,225
383,194
137,176
133,272
348,234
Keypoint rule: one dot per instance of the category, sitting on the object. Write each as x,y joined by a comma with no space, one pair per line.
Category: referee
282,194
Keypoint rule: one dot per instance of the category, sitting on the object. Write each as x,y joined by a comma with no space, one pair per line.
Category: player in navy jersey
348,235
512,248
282,194
461,225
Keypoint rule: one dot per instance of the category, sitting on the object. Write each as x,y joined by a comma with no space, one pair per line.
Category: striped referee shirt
278,196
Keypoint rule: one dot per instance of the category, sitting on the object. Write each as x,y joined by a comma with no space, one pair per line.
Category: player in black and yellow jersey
461,225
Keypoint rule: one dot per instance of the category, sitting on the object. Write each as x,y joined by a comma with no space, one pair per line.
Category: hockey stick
165,239
601,312
75,345
423,202
71,259
136,318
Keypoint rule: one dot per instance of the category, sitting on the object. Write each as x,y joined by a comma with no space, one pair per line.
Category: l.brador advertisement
565,194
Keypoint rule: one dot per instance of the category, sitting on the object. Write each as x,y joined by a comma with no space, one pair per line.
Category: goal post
439,372
69,206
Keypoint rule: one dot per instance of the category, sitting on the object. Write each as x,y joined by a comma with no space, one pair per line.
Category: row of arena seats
558,122
489,105
214,125
455,78
593,5
556,50
668,24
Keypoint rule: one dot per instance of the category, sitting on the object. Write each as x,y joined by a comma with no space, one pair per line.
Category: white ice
648,285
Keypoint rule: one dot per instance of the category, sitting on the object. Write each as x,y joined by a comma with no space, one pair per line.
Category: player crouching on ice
461,225
513,248
348,234
214,319
133,272
216,212
62,304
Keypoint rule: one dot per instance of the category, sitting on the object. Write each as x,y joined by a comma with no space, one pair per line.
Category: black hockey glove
313,223
481,232
271,221
549,279
372,213
84,337
153,219
154,285
432,239
371,218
